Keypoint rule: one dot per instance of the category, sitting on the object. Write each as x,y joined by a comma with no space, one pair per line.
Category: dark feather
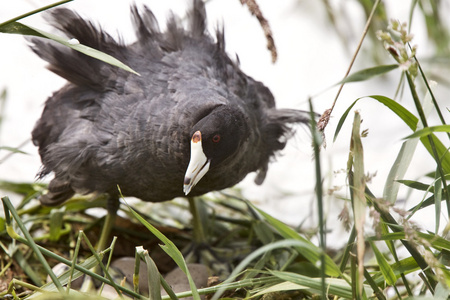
108,127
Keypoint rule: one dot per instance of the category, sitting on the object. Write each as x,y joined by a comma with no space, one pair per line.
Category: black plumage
108,127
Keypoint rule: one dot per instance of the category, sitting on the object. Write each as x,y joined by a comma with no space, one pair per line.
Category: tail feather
277,130
146,26
83,70
197,19
86,32
74,66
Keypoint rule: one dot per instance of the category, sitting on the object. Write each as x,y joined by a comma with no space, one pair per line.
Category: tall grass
264,258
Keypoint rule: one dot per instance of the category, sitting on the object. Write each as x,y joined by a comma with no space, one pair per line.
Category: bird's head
214,138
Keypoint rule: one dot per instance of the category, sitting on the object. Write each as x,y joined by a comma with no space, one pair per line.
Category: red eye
216,138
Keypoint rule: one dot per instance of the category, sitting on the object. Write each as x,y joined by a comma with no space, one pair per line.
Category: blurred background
315,42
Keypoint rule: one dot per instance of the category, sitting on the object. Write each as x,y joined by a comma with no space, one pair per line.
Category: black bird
191,123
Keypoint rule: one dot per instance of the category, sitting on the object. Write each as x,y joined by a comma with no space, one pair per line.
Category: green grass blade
137,267
41,9
308,249
438,151
403,160
21,188
154,287
431,143
384,266
434,146
399,110
64,278
9,208
425,203
170,248
338,287
287,243
393,105
398,170
346,253
368,73
342,119
56,223
280,287
393,250
19,28
317,141
170,293
430,93
405,266
417,185
437,202
428,130
74,260
101,264
376,289
27,268
246,283
13,150
436,242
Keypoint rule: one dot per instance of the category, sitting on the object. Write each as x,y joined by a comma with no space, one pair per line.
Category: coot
191,123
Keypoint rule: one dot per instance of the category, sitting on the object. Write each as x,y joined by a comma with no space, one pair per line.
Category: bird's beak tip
186,191
198,164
